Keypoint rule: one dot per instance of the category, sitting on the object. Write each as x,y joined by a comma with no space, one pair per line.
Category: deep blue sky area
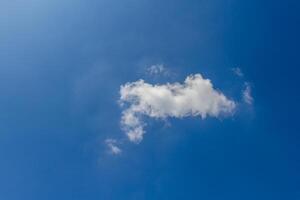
61,67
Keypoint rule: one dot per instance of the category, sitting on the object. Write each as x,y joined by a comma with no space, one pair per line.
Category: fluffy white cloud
247,97
195,97
112,146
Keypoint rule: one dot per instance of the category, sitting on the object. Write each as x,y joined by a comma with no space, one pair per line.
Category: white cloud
237,71
247,97
112,146
195,97
158,69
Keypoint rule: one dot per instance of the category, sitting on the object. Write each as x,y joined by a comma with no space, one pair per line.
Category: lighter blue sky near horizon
62,64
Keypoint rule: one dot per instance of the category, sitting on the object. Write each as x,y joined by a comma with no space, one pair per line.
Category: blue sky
62,64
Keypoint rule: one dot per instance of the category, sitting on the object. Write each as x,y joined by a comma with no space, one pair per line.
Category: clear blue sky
61,66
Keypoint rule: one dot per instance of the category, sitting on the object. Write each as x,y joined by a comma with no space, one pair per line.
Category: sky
143,100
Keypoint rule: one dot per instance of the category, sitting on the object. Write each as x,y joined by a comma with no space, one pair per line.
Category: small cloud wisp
247,96
158,69
237,71
112,146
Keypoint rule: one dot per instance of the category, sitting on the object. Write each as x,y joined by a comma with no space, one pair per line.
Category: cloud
247,97
237,71
158,69
112,146
195,97
246,92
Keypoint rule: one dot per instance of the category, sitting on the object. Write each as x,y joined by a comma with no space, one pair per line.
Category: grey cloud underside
195,97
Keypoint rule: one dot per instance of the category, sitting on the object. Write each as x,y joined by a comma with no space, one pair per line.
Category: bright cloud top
195,97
